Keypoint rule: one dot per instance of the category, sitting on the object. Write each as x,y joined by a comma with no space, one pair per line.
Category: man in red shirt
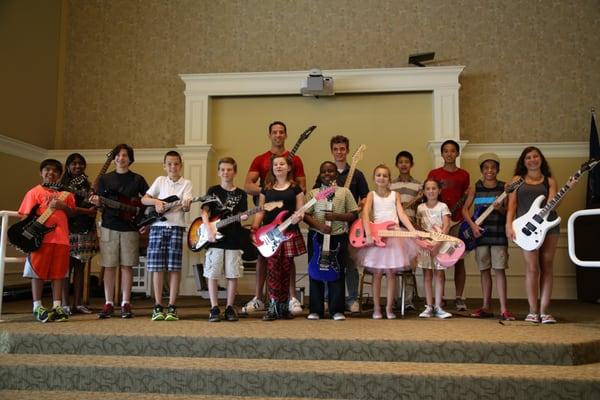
254,181
455,183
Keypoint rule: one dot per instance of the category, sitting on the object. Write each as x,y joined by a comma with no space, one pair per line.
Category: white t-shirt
164,187
430,217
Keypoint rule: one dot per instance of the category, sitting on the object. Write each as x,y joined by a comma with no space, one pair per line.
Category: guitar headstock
515,185
358,154
323,194
272,205
304,135
588,165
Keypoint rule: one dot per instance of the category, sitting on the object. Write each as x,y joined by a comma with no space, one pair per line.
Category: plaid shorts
294,246
165,248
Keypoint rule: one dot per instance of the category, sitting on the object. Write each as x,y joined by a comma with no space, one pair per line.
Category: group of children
406,204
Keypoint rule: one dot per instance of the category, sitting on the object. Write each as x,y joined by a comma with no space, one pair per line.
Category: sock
123,303
36,304
56,303
110,302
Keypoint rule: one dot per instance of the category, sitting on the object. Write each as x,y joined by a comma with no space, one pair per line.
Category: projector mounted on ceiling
317,85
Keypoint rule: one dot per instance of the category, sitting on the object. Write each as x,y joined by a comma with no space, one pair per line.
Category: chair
403,275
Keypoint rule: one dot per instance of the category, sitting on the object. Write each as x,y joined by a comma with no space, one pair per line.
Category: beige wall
29,48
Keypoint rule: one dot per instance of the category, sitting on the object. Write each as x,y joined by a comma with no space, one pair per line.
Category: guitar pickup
531,227
538,219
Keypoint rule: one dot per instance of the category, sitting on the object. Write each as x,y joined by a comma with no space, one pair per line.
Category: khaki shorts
495,257
119,248
221,261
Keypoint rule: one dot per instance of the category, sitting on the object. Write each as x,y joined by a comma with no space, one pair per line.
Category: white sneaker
313,316
440,313
254,305
338,316
295,306
427,313
354,307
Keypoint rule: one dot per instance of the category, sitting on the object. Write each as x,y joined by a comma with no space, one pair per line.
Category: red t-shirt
41,196
262,165
454,185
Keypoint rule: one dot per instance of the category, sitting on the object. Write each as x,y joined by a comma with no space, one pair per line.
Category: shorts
495,257
49,262
165,249
119,248
223,261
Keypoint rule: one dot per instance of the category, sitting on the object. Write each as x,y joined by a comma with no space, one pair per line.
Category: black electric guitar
303,136
27,235
151,215
130,209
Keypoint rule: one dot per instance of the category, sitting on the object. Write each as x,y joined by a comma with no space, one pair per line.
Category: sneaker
460,304
107,311
171,313
547,319
427,313
440,313
482,313
59,315
295,306
353,307
157,313
338,316
377,315
532,317
390,315
313,316
215,315
81,309
41,314
272,312
126,311
230,314
67,310
254,305
507,316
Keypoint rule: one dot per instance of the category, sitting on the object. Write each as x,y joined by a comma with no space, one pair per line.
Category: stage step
296,378
80,395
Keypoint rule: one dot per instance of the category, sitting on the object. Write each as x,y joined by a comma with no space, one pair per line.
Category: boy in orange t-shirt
51,260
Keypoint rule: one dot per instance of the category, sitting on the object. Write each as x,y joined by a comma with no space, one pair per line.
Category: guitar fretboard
46,214
237,217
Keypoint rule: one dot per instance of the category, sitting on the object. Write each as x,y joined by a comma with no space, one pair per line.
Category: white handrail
571,237
3,259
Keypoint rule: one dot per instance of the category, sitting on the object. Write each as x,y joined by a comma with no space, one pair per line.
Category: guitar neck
490,209
551,205
117,204
238,217
285,224
46,214
435,236
102,172
327,236
348,180
292,152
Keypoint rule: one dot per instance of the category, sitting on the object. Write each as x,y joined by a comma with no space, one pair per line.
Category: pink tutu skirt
397,254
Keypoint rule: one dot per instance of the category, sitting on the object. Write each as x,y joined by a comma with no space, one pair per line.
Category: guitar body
357,233
198,234
150,215
450,253
465,233
27,235
268,237
324,265
530,229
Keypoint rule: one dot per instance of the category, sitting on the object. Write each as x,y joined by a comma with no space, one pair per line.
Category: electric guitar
27,235
198,233
455,207
130,209
269,237
110,156
303,136
151,215
448,253
324,265
465,233
530,229
358,155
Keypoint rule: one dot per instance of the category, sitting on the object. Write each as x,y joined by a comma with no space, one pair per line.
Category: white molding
513,150
17,148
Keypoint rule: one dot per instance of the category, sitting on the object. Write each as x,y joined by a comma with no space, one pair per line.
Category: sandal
547,319
482,313
532,317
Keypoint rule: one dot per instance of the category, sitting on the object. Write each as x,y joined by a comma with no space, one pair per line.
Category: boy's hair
339,139
51,162
277,123
405,154
452,142
227,160
172,153
270,179
127,147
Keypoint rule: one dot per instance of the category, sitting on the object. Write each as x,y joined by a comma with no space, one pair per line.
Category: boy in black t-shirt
224,257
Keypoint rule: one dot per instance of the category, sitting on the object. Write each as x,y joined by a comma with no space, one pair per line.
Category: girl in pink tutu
384,206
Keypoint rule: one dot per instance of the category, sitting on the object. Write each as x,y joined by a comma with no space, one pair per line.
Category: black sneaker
107,311
157,313
230,314
215,315
58,314
126,311
171,313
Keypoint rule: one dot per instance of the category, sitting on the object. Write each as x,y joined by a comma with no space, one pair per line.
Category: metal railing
5,215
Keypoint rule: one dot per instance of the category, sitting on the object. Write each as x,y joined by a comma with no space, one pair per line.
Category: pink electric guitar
449,252
268,237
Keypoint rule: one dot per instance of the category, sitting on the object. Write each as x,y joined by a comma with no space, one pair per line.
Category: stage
358,358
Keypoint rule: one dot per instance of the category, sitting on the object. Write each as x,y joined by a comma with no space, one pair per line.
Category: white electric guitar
531,228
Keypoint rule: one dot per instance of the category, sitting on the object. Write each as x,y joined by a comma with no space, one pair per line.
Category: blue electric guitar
324,265
465,232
